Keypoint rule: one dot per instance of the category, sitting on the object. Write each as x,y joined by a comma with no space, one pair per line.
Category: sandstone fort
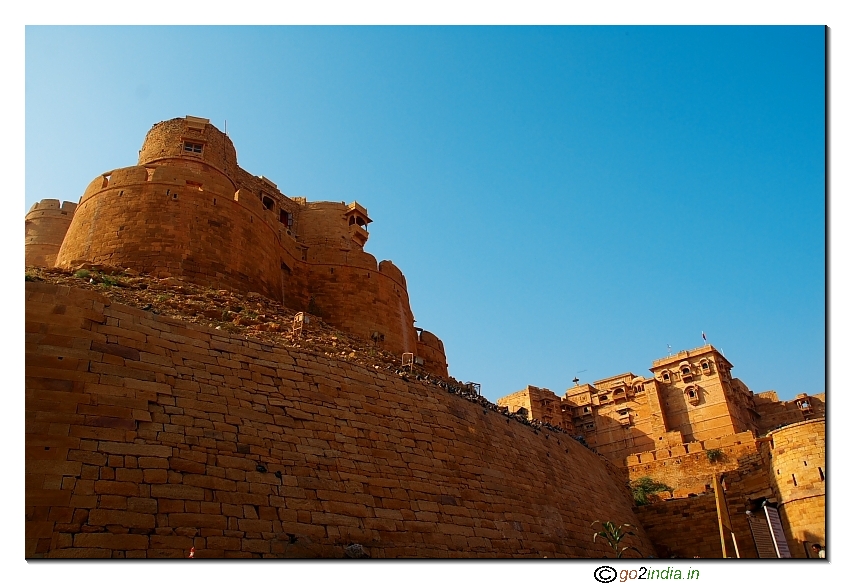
187,388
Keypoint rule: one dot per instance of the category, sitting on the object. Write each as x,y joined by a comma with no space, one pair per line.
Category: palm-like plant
644,488
614,535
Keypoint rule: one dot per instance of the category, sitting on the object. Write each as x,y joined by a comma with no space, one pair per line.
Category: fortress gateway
148,436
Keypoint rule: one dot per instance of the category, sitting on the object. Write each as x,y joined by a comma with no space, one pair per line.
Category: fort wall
688,525
798,464
170,227
350,291
688,467
146,436
188,210
774,413
683,528
46,224
431,349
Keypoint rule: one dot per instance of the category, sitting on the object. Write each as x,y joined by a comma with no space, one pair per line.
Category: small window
268,203
603,398
704,366
193,147
666,376
686,370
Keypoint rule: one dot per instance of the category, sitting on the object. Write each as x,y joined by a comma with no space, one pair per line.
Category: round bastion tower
798,463
47,223
179,212
188,210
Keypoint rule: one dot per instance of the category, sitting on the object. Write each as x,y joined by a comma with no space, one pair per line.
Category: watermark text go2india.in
607,574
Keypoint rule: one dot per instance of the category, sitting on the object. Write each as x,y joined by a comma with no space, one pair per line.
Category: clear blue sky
560,199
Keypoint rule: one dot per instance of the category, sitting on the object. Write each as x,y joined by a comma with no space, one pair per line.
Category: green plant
643,489
614,536
108,281
713,455
82,273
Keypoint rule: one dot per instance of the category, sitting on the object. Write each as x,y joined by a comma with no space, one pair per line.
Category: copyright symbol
605,574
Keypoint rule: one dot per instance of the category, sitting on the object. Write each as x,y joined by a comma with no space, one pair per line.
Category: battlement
46,224
188,210
685,354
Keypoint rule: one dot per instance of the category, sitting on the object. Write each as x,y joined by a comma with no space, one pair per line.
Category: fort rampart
683,528
188,210
146,436
798,463
46,224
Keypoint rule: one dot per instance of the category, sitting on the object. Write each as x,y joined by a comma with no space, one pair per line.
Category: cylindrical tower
179,213
189,139
798,463
430,349
46,226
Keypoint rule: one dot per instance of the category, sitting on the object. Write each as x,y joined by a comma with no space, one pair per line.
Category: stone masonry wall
165,141
188,210
688,525
351,291
46,224
684,528
798,461
146,436
686,467
167,225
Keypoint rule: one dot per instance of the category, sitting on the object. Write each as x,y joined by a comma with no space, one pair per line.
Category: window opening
268,203
193,147
820,472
